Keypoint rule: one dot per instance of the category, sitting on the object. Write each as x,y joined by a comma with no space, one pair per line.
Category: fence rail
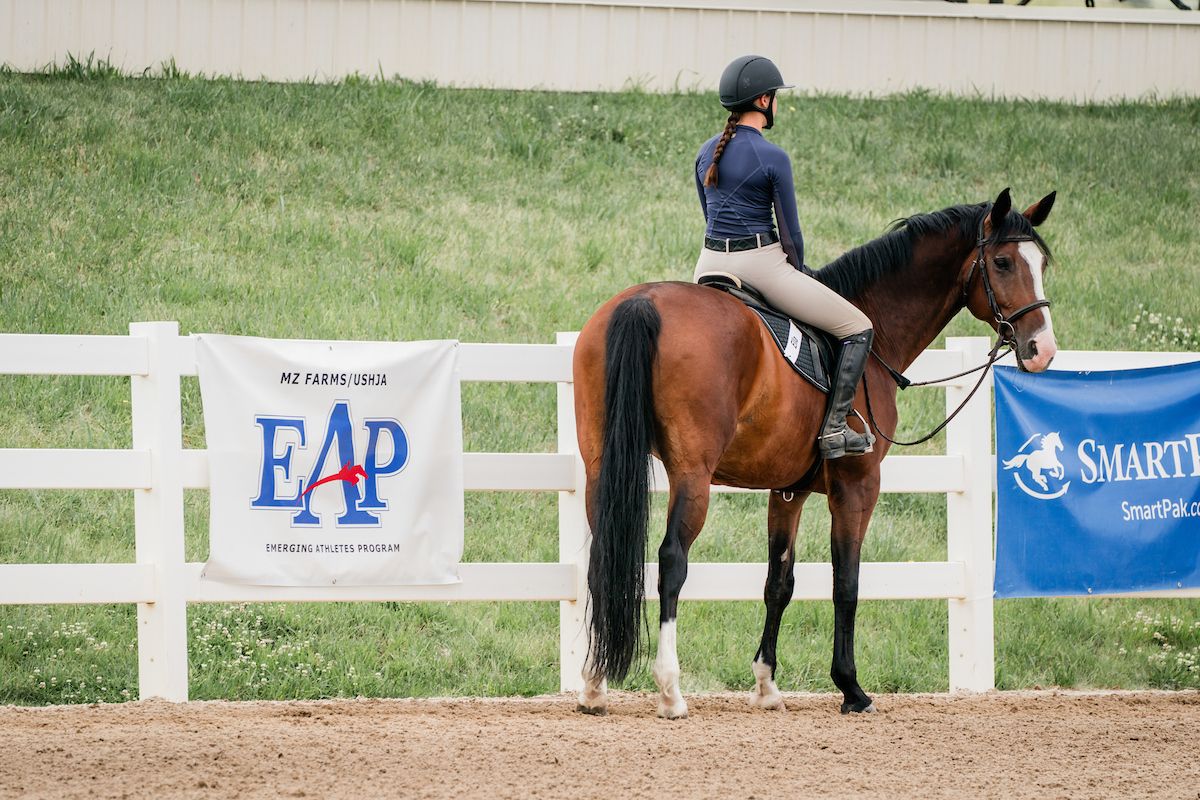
157,469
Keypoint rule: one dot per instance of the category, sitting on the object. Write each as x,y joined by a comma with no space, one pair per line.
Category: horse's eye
1003,262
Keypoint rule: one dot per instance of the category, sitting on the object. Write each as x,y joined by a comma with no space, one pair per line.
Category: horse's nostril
1032,349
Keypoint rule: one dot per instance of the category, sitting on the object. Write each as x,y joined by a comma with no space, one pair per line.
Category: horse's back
701,328
725,401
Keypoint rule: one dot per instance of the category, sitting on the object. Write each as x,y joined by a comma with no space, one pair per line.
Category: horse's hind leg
593,698
783,519
689,507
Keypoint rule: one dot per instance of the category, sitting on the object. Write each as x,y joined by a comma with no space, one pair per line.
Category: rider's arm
786,218
700,185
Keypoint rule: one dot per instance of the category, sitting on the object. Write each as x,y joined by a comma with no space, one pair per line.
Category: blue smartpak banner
1098,481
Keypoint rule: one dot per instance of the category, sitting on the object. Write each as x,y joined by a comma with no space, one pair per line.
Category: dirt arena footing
1006,745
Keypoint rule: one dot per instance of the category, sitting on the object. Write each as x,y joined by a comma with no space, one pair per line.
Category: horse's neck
912,306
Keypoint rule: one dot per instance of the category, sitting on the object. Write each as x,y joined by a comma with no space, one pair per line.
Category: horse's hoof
769,702
864,707
674,711
595,711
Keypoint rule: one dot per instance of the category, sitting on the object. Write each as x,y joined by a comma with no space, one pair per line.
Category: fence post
969,529
572,544
158,516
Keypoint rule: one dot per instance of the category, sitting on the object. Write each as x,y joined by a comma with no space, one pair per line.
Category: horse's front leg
688,508
851,501
783,519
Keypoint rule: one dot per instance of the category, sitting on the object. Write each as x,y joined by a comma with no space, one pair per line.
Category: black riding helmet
749,77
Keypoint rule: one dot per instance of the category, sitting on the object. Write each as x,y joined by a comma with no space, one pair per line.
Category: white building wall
852,46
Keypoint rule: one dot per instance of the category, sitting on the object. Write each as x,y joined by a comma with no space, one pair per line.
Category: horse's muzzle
1037,352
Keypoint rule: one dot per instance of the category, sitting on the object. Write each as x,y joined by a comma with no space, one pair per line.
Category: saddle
809,351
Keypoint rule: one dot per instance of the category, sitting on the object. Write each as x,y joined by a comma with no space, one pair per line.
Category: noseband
1004,325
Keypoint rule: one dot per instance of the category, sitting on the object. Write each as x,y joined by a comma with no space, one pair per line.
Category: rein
1005,330
993,356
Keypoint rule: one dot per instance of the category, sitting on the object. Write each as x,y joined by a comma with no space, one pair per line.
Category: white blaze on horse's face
1043,338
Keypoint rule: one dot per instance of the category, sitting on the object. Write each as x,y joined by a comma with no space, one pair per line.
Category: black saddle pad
809,351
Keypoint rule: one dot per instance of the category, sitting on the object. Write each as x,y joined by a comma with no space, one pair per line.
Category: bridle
1005,331
1004,325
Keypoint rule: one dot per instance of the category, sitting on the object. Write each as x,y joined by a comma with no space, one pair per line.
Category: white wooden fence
157,468
842,46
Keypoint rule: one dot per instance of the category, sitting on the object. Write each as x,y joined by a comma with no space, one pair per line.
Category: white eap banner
332,462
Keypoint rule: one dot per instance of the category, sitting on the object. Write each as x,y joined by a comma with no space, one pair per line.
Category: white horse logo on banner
1035,462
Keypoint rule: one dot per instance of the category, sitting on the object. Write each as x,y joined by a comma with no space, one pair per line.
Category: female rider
742,178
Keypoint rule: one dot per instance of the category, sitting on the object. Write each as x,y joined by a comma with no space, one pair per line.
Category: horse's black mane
851,273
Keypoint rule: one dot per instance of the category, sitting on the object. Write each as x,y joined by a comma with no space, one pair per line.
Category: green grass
369,210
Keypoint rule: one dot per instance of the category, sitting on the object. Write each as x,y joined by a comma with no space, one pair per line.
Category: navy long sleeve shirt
754,180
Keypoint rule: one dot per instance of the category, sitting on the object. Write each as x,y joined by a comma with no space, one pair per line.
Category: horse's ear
1037,213
1000,209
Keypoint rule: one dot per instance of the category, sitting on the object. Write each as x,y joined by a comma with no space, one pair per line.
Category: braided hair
710,177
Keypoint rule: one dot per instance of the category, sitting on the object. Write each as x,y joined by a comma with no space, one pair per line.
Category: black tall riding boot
836,438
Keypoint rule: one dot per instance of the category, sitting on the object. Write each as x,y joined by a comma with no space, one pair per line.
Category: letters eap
282,437
332,463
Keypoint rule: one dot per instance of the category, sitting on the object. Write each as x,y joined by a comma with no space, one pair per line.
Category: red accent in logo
348,473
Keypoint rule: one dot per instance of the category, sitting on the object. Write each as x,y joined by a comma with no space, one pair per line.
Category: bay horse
690,374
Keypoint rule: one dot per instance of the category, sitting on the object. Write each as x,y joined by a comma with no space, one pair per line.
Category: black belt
744,243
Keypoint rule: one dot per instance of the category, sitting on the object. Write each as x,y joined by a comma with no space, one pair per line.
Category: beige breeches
787,288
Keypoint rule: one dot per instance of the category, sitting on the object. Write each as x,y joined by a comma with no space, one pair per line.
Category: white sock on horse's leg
593,698
765,693
666,674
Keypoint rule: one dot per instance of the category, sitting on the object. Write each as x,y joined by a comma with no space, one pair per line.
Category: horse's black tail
621,510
